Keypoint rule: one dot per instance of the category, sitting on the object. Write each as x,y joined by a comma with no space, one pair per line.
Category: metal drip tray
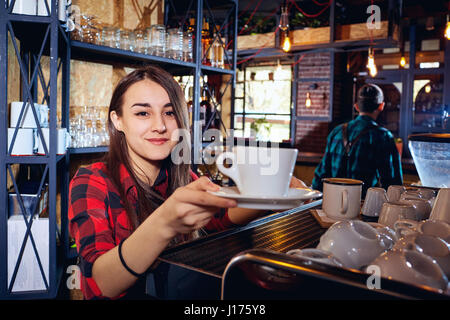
201,263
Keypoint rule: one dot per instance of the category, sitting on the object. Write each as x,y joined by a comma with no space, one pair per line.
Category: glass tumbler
124,40
141,42
187,47
158,38
174,48
109,36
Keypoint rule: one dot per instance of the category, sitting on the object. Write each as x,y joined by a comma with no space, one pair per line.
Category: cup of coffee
393,211
341,198
375,197
259,171
411,267
441,207
353,242
432,246
394,192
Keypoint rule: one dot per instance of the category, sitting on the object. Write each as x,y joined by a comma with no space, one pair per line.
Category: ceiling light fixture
371,64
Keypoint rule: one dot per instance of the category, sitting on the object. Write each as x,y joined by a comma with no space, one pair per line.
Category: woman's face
148,121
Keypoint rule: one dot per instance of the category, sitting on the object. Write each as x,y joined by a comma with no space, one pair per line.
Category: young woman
126,210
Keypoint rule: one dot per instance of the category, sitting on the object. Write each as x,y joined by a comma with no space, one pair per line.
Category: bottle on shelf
217,50
206,43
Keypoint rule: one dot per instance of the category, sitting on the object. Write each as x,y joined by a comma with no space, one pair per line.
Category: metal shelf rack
33,37
44,36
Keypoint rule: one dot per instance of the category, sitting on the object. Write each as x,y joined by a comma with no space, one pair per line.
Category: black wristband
124,264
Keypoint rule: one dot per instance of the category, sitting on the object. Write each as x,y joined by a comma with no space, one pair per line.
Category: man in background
361,149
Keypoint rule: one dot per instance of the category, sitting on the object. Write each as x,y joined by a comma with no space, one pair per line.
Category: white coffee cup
316,255
435,228
341,198
375,197
393,211
24,143
427,193
62,141
394,192
259,171
28,120
387,234
63,7
422,206
441,207
354,243
412,194
432,246
411,267
28,7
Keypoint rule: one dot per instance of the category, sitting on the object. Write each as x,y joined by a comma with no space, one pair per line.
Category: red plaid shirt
98,220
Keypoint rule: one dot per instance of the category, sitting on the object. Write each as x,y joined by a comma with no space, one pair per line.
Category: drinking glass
174,48
158,38
141,41
124,40
109,36
187,47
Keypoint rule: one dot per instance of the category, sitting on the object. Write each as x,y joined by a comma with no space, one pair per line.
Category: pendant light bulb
308,100
402,62
286,42
447,29
371,64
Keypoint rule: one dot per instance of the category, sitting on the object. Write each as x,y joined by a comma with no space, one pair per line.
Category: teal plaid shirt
373,158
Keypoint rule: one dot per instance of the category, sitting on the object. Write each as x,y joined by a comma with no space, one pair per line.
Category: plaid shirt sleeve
89,225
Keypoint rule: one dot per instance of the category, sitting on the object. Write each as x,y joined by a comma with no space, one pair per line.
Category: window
263,103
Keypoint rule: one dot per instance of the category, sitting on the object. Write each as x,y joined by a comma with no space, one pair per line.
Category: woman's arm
189,208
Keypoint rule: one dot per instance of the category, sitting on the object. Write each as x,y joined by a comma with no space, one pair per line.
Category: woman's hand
191,207
297,183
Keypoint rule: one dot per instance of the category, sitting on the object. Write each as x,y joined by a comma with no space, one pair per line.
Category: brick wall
311,135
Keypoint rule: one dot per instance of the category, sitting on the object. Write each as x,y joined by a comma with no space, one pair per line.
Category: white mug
28,7
28,120
394,192
375,197
24,144
354,243
411,267
259,171
432,246
427,193
435,228
422,206
393,211
62,143
441,206
63,7
341,198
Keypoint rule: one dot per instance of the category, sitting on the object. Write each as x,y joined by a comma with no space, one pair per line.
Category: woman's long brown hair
148,200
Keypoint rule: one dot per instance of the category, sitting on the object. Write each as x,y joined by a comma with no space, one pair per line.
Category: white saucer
294,198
